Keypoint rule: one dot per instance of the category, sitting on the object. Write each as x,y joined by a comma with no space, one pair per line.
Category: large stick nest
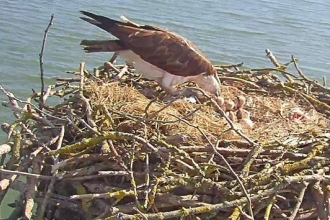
115,147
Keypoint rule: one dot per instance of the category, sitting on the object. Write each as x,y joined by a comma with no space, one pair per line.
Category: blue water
226,31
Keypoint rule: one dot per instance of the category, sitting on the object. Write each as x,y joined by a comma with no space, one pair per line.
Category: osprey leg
166,84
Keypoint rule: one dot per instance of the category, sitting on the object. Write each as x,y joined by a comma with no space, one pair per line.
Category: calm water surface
226,31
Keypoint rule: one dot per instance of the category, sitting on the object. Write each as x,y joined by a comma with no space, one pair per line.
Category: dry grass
270,114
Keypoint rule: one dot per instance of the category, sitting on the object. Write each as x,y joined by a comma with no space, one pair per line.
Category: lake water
226,31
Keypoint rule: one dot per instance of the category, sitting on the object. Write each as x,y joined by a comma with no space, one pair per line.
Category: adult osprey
156,53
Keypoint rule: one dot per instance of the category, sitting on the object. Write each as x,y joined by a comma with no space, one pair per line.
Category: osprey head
208,82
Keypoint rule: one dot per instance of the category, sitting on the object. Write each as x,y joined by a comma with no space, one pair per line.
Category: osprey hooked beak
209,83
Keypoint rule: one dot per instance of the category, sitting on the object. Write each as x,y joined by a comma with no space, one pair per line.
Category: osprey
157,54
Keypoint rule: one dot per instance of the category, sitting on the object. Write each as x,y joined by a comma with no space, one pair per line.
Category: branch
273,59
299,201
41,62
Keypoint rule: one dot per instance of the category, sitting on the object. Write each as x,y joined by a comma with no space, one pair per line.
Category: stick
31,175
41,62
299,201
273,59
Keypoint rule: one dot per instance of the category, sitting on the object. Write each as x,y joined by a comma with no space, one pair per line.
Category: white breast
142,67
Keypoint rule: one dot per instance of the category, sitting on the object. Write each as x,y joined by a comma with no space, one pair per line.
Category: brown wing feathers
157,46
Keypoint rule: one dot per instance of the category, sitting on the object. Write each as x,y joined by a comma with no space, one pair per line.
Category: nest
114,146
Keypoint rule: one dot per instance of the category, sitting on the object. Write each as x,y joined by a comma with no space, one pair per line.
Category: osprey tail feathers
100,21
91,46
119,29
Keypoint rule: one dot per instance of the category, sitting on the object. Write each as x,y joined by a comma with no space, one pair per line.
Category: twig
31,191
82,77
236,65
109,65
88,142
314,83
31,175
78,159
273,59
141,213
12,102
299,201
118,194
122,72
68,80
159,110
248,83
41,62
147,180
269,206
133,183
